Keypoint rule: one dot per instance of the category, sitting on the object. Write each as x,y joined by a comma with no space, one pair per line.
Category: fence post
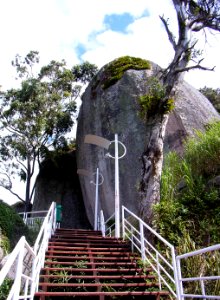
158,270
179,284
102,222
123,222
143,256
17,282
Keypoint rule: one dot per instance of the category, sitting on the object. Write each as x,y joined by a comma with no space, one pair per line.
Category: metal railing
171,269
201,285
108,226
34,219
24,262
154,249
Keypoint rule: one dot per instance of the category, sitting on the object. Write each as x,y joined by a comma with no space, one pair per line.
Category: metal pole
96,200
117,204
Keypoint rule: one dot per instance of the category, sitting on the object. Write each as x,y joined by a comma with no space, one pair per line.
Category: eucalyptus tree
193,16
36,116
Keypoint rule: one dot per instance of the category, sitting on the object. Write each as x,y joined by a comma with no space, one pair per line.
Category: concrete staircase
81,264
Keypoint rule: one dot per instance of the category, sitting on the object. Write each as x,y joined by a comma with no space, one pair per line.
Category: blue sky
94,30
118,22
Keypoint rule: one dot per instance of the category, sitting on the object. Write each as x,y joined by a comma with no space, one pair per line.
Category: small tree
35,117
213,95
192,17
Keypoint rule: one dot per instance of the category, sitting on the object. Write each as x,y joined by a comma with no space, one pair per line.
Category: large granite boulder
58,182
115,109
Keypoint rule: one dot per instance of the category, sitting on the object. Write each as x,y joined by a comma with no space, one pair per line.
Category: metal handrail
26,261
201,279
141,236
166,264
29,219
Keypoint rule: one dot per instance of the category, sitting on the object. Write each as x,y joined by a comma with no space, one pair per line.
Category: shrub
12,225
187,203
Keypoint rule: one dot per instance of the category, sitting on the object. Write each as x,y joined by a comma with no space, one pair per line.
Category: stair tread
88,257
94,269
85,248
131,293
95,252
120,284
100,276
90,263
85,259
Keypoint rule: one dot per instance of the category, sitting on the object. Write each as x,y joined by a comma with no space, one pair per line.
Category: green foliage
152,102
36,116
115,70
4,243
188,204
203,152
84,72
12,226
5,288
213,95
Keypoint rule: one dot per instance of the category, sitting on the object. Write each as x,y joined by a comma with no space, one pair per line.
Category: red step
82,264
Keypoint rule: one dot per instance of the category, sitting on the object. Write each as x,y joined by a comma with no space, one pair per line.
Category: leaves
189,202
35,117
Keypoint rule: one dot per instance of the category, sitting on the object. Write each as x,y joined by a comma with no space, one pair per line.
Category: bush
188,203
12,225
5,288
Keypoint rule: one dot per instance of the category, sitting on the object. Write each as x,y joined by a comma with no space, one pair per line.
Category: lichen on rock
115,69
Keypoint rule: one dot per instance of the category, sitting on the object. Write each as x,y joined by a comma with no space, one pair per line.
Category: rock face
105,112
58,181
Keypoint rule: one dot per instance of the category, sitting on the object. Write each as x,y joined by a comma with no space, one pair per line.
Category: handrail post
158,270
96,200
179,283
54,217
143,256
17,282
117,205
102,223
123,222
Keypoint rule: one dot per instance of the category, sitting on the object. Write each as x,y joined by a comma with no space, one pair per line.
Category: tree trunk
152,166
28,205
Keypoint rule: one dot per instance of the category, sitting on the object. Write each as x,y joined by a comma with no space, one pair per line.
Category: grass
188,214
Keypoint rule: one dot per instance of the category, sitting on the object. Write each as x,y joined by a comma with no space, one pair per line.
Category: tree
213,95
35,117
193,16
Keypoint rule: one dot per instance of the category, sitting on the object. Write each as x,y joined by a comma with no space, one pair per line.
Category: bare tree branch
8,185
169,33
198,66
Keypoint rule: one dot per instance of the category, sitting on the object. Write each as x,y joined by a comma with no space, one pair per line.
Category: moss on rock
115,69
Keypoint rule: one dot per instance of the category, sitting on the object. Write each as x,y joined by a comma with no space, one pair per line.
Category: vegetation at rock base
213,95
150,103
190,194
115,69
13,227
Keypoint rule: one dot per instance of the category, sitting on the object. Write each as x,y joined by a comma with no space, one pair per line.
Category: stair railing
47,229
154,249
24,262
33,218
110,225
206,285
